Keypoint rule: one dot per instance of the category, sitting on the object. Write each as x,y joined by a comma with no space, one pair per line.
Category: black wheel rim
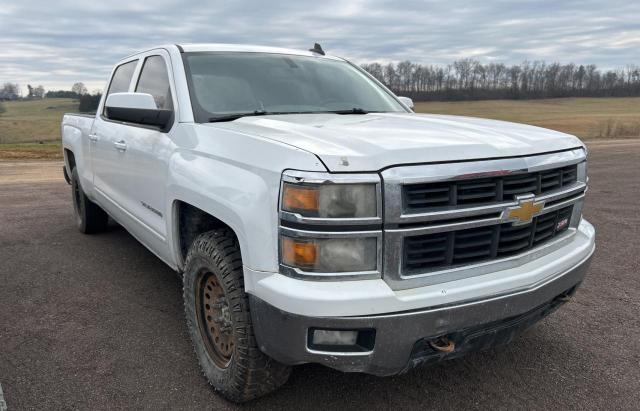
214,319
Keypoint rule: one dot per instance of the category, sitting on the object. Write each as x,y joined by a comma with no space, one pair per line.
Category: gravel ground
96,322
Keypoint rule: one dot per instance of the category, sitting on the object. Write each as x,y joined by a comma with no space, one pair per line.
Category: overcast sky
56,43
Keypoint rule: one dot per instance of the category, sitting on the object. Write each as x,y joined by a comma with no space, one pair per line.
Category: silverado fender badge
153,210
524,212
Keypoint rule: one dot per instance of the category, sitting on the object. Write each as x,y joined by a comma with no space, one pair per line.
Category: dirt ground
96,322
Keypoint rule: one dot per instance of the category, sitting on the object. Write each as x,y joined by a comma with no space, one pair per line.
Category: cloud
56,43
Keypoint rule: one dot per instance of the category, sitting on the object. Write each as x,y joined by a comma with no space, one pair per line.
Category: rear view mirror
139,108
406,101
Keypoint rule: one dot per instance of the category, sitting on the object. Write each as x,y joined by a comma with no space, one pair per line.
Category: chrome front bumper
283,335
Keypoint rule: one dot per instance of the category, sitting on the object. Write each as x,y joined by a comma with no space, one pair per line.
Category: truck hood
372,142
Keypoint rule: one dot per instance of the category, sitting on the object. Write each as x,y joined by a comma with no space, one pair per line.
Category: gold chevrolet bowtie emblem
526,209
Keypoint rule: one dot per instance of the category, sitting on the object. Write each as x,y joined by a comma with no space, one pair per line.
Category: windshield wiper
355,110
235,116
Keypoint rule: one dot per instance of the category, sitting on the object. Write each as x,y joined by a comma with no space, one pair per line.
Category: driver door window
154,80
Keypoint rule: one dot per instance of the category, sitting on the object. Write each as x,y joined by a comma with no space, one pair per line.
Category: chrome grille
422,197
467,246
448,221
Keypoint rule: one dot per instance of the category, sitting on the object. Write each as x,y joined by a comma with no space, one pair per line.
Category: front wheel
219,320
90,218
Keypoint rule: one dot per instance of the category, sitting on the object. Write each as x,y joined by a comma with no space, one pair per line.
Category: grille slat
550,180
471,254
528,179
423,260
520,245
544,226
430,190
432,199
542,237
423,245
525,233
442,250
531,188
473,196
474,186
426,251
470,244
424,196
472,233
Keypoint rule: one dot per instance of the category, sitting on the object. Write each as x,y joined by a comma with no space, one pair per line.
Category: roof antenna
317,48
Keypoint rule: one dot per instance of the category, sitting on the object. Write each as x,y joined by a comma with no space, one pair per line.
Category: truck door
146,159
110,175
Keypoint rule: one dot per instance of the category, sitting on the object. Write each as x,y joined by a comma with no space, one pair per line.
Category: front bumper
399,337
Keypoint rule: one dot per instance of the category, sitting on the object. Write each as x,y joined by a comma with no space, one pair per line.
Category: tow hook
443,344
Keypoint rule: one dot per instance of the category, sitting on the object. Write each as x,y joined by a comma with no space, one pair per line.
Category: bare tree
79,88
10,88
38,92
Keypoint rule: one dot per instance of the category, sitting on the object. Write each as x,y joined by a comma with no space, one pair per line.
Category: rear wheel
219,320
90,218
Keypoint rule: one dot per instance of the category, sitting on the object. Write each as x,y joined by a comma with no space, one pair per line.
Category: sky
56,43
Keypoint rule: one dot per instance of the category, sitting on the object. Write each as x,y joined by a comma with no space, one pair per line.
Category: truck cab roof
237,48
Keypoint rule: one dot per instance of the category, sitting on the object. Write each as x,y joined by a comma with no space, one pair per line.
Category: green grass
34,120
586,118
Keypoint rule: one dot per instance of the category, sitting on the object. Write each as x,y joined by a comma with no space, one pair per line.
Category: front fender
240,186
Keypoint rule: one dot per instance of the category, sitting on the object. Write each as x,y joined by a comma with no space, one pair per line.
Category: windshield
259,83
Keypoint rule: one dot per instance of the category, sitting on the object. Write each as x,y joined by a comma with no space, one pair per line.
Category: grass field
586,118
51,150
31,129
32,121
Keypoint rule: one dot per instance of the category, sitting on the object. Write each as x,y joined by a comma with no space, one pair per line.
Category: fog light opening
341,340
334,337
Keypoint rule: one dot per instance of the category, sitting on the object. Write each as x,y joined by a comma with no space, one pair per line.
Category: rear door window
122,78
154,80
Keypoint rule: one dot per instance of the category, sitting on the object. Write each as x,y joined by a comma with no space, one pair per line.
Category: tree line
469,79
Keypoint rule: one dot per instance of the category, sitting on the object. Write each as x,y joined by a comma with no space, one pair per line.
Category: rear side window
122,77
154,80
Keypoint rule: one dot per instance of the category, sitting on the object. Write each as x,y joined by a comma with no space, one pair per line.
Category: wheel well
192,222
71,160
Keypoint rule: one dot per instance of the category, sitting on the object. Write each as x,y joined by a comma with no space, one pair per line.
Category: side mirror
406,101
139,108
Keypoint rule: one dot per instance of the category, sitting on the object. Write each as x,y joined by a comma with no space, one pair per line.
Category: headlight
323,196
329,255
330,225
330,200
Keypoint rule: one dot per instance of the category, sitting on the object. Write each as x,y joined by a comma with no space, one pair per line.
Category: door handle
120,145
93,137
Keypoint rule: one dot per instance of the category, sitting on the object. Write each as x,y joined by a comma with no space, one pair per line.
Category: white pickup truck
315,218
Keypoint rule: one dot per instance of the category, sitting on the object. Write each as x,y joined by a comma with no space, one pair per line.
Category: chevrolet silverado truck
315,218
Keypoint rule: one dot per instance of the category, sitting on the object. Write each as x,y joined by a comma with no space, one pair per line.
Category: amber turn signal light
300,198
297,253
